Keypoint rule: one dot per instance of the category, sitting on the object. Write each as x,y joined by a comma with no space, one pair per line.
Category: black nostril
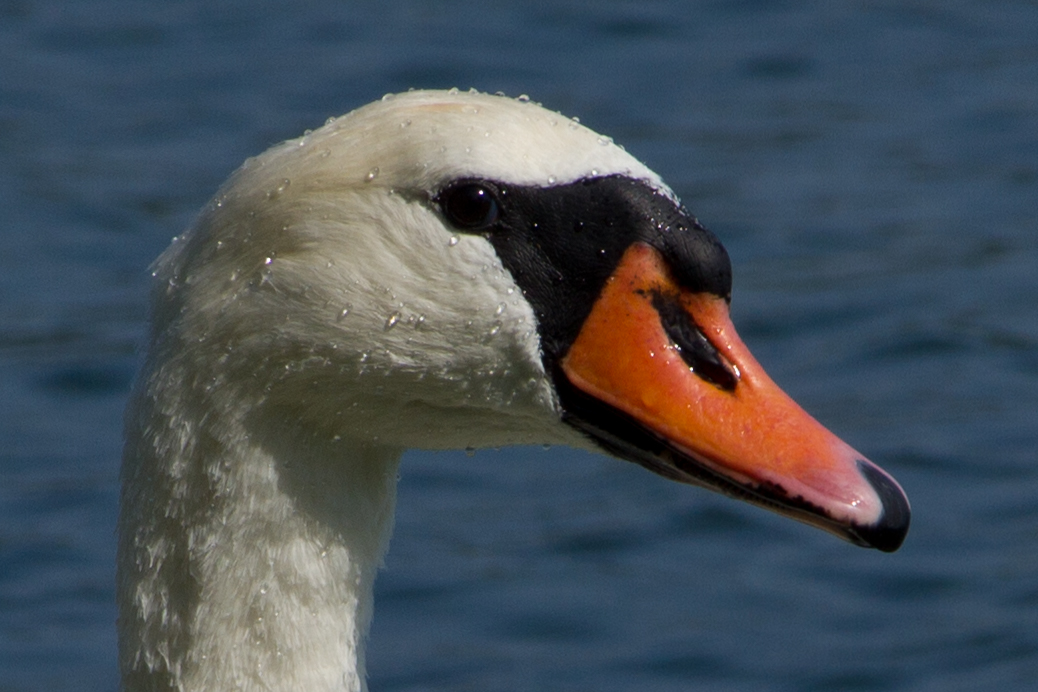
889,532
695,349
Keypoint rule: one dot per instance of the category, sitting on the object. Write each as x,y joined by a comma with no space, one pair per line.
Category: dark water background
873,170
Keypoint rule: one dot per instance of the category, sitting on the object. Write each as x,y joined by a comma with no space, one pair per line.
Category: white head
325,260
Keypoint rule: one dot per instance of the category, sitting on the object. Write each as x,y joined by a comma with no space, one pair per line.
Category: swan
439,270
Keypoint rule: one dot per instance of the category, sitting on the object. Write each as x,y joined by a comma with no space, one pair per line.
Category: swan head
451,270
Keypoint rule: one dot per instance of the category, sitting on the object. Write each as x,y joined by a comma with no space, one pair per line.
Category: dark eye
469,206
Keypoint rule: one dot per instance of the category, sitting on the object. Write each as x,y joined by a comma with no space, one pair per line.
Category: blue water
873,170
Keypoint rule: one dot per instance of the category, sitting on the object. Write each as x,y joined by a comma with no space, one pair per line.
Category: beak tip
889,531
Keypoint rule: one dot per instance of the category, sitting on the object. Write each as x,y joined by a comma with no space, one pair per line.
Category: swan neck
247,559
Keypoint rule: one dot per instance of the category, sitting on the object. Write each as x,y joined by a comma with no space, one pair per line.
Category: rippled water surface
873,170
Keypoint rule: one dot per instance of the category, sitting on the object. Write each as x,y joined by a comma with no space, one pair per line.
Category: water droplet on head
551,179
388,97
372,174
500,309
345,311
282,186
453,91
452,241
392,320
522,98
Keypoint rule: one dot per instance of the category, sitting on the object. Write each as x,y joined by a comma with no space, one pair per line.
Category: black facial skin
561,243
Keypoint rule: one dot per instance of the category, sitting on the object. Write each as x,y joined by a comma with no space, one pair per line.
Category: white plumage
317,320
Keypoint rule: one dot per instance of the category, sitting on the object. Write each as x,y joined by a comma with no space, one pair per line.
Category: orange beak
720,421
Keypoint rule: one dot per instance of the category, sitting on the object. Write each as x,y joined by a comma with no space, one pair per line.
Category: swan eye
470,206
